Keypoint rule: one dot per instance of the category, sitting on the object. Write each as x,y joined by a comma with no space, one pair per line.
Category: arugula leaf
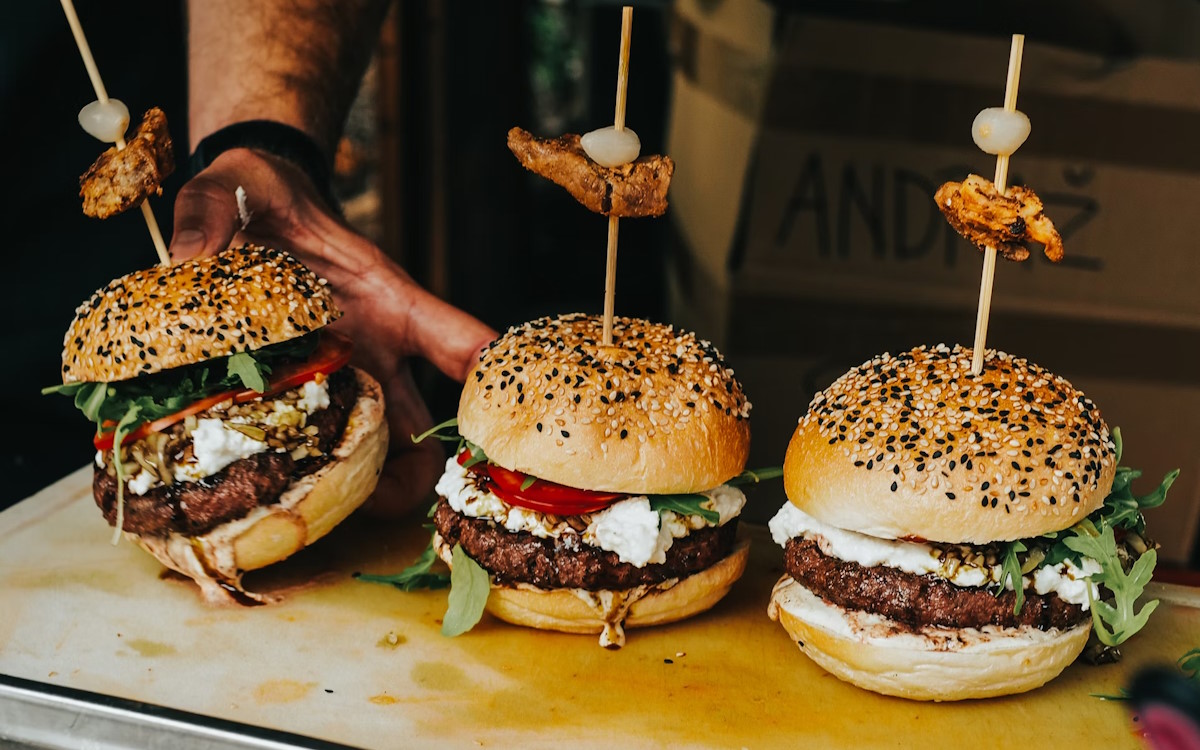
469,589
528,482
754,476
433,432
1123,509
415,576
1115,623
685,505
123,428
90,399
165,393
1190,664
477,454
245,367
1010,570
1123,696
1119,444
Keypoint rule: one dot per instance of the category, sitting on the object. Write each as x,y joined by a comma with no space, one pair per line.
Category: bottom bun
938,664
307,510
610,612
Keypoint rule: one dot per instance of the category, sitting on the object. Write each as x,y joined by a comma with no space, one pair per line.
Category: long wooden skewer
610,271
1001,181
89,62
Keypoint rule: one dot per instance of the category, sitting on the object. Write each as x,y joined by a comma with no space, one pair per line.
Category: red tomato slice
543,496
331,354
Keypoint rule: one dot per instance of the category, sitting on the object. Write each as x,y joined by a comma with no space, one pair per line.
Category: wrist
270,137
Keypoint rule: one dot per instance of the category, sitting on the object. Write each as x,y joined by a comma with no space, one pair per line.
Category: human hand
389,315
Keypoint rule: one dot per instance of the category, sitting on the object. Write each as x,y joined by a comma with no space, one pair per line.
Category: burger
230,432
953,536
593,486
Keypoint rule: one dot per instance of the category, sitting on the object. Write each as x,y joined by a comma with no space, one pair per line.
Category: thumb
448,337
206,217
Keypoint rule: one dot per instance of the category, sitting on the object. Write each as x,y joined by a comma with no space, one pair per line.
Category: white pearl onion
1000,132
610,147
106,121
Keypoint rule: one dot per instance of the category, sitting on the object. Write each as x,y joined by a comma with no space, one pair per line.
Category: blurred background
801,238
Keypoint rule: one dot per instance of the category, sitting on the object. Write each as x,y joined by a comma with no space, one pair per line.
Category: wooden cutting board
365,665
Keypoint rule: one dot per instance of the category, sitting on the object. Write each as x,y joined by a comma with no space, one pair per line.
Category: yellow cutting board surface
365,664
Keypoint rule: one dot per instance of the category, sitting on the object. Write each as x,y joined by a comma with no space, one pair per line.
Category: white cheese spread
630,528
215,446
1064,579
142,482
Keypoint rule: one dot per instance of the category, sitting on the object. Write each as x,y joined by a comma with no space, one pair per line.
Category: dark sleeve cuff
271,137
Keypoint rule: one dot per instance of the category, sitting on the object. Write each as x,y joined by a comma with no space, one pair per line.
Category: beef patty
566,562
916,601
195,508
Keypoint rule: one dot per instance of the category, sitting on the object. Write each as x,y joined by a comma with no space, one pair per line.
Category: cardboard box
809,239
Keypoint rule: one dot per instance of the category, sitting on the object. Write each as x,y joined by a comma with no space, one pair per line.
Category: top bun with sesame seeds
169,316
914,447
658,412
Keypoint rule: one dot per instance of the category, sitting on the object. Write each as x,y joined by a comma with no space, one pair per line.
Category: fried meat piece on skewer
630,190
121,179
985,217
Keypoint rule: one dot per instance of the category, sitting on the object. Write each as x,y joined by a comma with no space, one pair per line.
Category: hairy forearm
295,61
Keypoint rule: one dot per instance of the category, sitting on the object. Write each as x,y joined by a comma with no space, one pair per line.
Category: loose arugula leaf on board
415,576
469,589
1123,696
1116,622
685,505
248,370
1190,664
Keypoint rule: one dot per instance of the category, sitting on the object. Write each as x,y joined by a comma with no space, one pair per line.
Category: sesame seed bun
307,510
581,611
657,412
915,447
163,317
937,664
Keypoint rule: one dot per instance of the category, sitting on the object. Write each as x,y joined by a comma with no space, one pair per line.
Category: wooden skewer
610,270
1001,182
93,72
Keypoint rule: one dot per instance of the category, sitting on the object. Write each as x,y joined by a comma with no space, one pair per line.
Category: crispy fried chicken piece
635,189
122,179
985,217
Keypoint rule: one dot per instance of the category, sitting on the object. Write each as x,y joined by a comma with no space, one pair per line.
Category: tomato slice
542,496
331,355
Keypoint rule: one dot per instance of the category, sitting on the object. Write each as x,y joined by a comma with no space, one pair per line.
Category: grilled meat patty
566,562
916,601
195,508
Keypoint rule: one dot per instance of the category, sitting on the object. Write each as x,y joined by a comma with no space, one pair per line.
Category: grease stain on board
149,648
282,691
434,675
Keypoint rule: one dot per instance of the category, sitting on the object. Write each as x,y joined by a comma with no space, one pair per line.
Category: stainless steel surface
49,716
